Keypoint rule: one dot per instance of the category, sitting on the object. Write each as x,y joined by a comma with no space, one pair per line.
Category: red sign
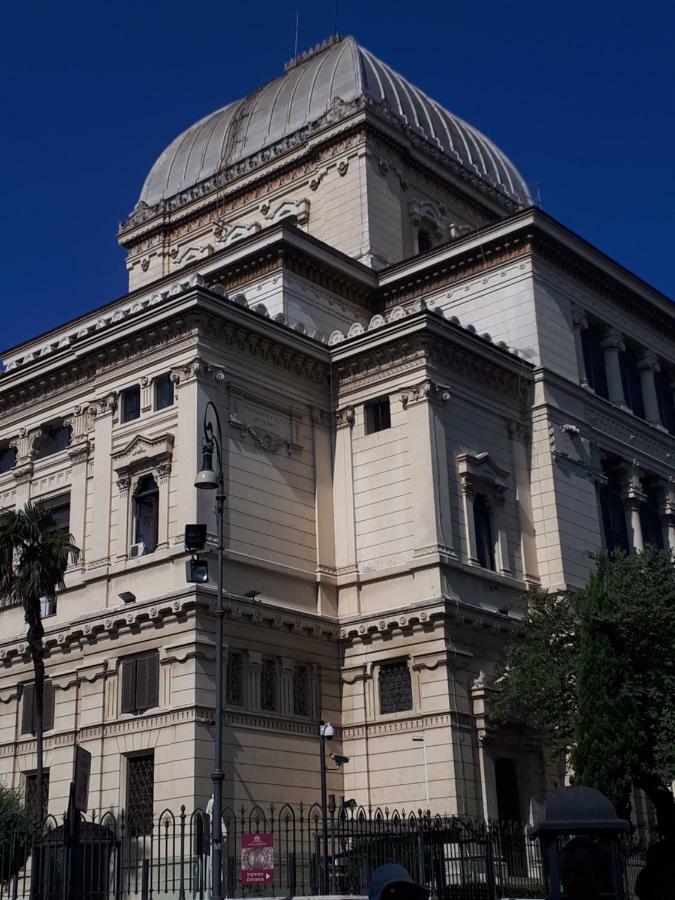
257,859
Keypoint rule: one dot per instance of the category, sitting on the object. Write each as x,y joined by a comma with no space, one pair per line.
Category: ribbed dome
342,71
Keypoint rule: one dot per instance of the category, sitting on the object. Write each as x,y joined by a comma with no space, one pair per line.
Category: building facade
433,396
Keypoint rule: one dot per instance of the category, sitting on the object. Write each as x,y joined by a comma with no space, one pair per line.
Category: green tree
15,830
34,556
594,673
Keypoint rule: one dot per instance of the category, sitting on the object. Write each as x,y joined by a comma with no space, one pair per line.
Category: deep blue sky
580,95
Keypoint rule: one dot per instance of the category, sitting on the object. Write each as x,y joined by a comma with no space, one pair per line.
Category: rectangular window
7,459
423,240
59,509
28,708
131,403
613,518
395,687
140,793
140,682
268,684
594,361
30,793
485,543
163,392
377,415
630,378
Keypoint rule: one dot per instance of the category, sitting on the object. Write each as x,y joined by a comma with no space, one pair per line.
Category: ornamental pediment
480,467
142,450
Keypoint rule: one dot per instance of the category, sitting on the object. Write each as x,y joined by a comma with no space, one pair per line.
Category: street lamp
208,479
326,733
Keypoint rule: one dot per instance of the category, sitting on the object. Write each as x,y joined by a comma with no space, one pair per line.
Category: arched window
268,684
485,544
146,513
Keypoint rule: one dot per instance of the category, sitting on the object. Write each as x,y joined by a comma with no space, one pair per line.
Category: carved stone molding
143,454
345,417
479,473
426,390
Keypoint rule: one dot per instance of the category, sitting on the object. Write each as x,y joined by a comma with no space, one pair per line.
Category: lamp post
326,733
207,479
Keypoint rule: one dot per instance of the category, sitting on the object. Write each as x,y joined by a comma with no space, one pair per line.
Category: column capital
579,318
648,362
612,340
425,391
344,416
104,406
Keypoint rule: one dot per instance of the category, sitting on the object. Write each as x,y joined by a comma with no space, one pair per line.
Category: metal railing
112,857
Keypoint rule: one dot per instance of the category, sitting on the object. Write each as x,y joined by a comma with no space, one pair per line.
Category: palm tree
34,556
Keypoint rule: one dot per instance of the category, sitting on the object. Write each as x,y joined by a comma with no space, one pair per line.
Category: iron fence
114,858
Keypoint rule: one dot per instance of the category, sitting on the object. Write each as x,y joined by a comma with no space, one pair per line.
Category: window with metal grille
301,691
163,392
234,680
140,793
146,513
28,718
485,543
395,687
140,682
130,403
7,459
377,415
30,794
268,684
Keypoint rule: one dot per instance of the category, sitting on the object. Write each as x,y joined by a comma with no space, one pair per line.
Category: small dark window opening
163,392
594,361
485,544
131,403
423,240
630,378
650,516
664,394
395,687
146,513
28,719
7,459
612,510
140,793
268,684
378,415
234,680
30,798
55,438
140,682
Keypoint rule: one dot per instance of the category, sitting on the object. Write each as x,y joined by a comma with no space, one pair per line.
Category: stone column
80,424
528,546
191,399
468,493
486,764
164,472
146,394
502,560
253,671
580,322
25,445
343,494
323,511
612,345
669,514
103,411
286,686
649,366
633,500
429,468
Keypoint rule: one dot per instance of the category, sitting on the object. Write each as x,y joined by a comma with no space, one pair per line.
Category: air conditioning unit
136,550
47,607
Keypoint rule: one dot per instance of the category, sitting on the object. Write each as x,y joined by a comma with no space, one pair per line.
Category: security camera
339,760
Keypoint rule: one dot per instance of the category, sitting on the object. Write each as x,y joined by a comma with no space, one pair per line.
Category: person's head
583,869
393,882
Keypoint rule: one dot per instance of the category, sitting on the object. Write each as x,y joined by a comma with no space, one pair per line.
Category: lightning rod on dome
337,6
297,28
